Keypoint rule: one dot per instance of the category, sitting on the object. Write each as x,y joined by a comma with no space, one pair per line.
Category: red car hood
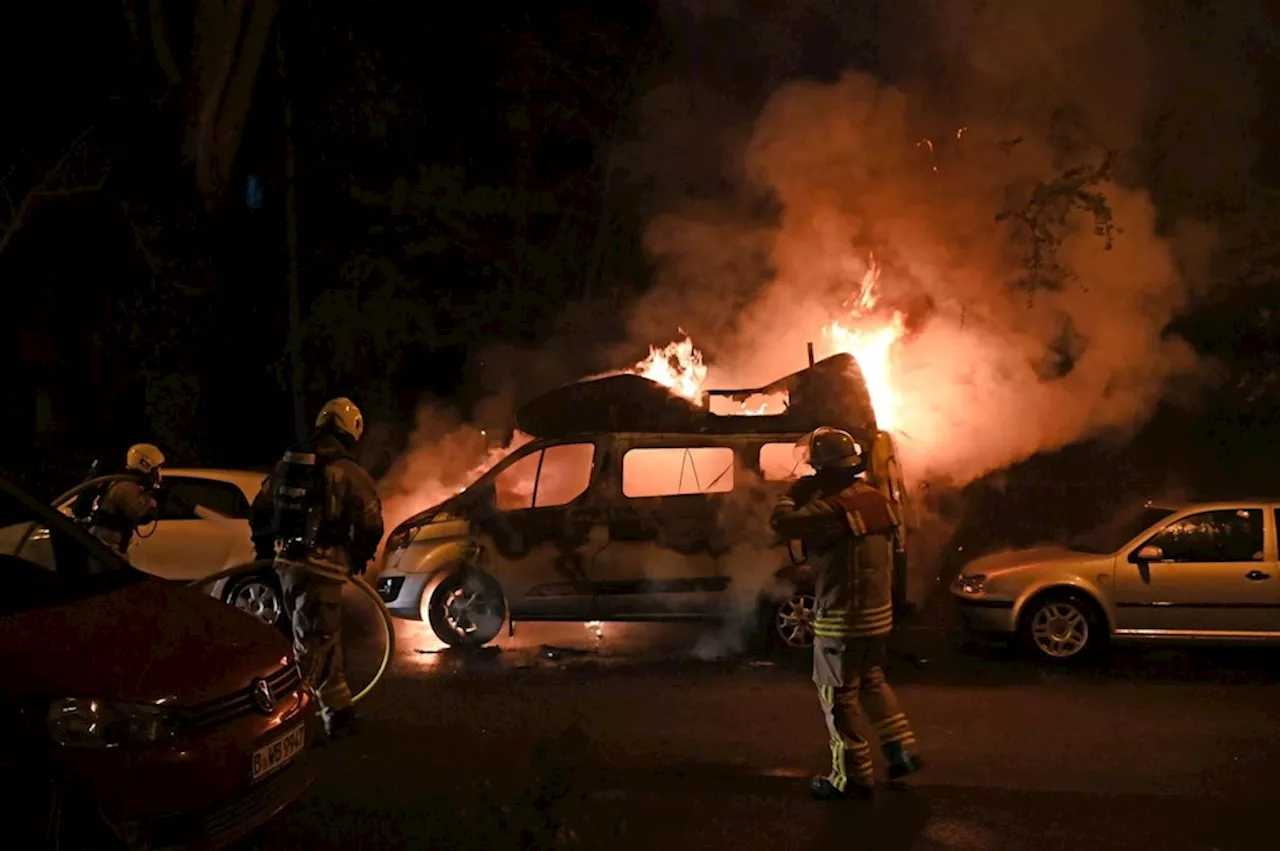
145,642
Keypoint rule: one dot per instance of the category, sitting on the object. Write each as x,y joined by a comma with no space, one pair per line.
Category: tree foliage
1039,221
360,334
490,249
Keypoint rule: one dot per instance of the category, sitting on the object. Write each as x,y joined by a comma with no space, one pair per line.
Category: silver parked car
1204,571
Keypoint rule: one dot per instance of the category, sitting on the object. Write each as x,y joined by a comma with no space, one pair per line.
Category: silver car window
1227,535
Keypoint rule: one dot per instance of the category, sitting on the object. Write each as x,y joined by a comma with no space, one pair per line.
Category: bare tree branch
53,184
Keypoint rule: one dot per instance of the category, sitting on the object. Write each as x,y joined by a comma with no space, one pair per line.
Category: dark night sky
443,72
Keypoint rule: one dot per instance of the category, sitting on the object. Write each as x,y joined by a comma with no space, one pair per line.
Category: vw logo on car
262,699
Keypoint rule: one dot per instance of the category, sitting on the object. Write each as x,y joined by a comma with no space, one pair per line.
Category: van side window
779,463
566,473
513,487
564,476
673,471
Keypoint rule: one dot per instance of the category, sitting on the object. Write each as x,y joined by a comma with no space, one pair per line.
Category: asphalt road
631,740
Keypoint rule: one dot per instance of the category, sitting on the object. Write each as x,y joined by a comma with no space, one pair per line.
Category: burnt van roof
830,392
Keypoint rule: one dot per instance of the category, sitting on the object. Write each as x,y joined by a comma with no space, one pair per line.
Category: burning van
635,504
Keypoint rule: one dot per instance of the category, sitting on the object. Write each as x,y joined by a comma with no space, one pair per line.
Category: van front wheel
467,609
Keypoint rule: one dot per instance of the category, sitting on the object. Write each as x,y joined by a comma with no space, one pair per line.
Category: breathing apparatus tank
299,502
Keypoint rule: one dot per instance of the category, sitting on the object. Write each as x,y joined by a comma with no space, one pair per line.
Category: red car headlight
76,722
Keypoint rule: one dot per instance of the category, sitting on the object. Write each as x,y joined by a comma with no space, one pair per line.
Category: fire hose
388,646
388,652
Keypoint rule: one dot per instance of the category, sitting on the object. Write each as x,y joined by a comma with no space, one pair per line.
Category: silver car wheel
260,599
794,620
1060,629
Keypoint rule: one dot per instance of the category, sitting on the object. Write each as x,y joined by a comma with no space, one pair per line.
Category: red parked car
135,712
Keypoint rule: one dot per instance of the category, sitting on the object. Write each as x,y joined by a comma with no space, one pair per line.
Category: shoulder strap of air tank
299,456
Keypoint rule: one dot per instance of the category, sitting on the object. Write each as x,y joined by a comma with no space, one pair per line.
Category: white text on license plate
268,758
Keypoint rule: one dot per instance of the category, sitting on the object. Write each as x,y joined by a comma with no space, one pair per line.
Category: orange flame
869,335
677,366
871,339
872,345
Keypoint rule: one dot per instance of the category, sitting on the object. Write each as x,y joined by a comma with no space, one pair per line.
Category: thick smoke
451,444
998,362
443,456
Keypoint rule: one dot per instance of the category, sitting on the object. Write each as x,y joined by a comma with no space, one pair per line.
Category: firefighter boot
839,785
901,761
824,789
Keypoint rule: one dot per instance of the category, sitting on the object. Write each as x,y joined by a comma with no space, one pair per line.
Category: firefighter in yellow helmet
318,516
848,526
126,504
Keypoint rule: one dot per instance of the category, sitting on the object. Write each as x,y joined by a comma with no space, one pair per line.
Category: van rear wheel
467,609
792,623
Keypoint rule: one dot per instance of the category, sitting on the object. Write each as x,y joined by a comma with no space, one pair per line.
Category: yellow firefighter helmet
144,458
343,415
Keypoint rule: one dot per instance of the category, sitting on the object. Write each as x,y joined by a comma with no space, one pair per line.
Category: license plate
270,757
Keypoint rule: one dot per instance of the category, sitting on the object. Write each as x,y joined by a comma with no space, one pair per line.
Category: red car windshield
46,560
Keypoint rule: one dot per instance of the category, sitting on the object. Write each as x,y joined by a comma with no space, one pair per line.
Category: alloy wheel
259,599
794,621
1060,629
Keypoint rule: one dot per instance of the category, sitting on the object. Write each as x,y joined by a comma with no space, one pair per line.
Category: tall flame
677,366
869,334
871,337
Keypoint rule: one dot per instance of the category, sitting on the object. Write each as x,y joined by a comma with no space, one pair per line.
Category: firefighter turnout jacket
351,513
848,532
123,506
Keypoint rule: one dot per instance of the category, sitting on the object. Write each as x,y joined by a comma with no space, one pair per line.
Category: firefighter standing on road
848,527
321,508
126,504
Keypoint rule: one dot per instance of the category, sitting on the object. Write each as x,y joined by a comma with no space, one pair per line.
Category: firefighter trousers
849,674
315,609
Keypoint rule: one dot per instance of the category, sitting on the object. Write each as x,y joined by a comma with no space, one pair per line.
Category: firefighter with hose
849,527
318,516
114,512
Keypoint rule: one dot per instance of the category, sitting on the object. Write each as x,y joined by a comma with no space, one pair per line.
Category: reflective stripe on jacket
848,533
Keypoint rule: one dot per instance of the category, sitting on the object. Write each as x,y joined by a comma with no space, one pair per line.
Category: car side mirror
1147,553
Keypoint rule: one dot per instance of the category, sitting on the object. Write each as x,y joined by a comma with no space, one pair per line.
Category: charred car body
632,503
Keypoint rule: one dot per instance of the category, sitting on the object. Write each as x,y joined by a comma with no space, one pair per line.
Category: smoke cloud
990,109
443,456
